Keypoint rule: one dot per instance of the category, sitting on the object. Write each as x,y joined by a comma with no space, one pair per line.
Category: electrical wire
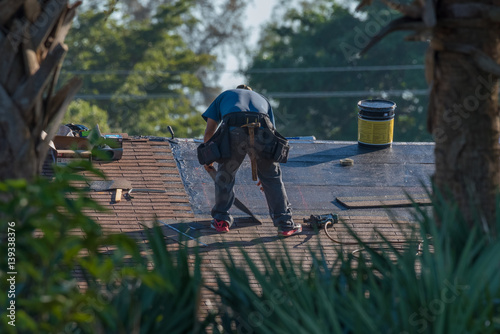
281,95
275,95
125,96
337,69
257,70
406,242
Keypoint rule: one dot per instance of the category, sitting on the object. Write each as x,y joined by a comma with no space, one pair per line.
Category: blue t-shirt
235,100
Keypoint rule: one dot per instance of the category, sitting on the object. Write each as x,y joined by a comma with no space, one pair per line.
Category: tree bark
463,111
31,53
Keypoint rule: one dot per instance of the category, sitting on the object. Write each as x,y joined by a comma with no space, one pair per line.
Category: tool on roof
128,195
251,151
78,130
237,202
320,221
173,139
146,190
118,185
169,128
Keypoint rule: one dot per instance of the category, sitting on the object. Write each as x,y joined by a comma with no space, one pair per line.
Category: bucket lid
377,105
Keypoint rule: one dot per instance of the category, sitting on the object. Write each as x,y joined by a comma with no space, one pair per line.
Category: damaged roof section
317,183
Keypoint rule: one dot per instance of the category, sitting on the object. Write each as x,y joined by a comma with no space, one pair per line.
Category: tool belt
218,147
241,118
269,143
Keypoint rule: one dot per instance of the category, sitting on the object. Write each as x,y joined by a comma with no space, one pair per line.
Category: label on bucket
375,132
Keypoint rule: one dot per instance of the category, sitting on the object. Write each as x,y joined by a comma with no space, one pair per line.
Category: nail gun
319,221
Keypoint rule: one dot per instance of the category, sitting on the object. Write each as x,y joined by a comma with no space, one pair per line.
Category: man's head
244,87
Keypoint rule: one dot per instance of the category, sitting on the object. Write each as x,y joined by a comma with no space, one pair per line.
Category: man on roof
234,110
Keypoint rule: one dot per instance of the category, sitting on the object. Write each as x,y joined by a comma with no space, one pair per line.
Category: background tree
142,74
309,43
86,113
150,64
217,30
462,70
32,48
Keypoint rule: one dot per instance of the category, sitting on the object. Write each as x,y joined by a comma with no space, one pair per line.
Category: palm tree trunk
31,53
463,111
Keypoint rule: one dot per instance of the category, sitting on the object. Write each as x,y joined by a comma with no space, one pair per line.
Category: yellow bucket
376,123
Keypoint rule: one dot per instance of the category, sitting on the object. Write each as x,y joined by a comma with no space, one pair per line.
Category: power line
125,96
276,95
123,72
257,70
337,69
301,95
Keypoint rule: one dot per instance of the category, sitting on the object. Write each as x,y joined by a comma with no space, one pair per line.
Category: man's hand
210,167
259,184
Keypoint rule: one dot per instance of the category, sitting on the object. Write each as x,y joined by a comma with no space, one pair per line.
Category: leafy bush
162,300
51,240
451,286
42,219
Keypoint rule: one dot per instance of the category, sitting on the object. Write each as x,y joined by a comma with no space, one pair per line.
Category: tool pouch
207,153
218,147
271,145
282,148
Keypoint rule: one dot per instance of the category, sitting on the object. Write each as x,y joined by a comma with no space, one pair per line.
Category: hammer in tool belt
251,152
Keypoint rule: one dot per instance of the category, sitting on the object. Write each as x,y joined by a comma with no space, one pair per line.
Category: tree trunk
31,53
463,110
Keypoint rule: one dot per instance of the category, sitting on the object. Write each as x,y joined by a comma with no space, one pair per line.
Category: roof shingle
313,178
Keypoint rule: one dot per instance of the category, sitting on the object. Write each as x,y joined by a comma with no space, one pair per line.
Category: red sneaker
220,225
288,233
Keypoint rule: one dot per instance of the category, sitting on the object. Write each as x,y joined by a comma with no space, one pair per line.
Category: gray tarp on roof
314,177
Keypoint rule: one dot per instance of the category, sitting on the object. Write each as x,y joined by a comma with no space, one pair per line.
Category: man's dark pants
269,173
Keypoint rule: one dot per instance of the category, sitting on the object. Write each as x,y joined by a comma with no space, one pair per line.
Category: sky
258,12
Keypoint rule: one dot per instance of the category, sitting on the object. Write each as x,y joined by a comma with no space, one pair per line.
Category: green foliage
146,59
82,112
452,286
46,251
323,34
149,65
64,282
163,300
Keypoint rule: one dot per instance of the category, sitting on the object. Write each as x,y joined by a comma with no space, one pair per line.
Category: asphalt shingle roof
313,178
146,164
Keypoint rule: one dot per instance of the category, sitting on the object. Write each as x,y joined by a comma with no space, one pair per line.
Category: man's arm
210,129
209,132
